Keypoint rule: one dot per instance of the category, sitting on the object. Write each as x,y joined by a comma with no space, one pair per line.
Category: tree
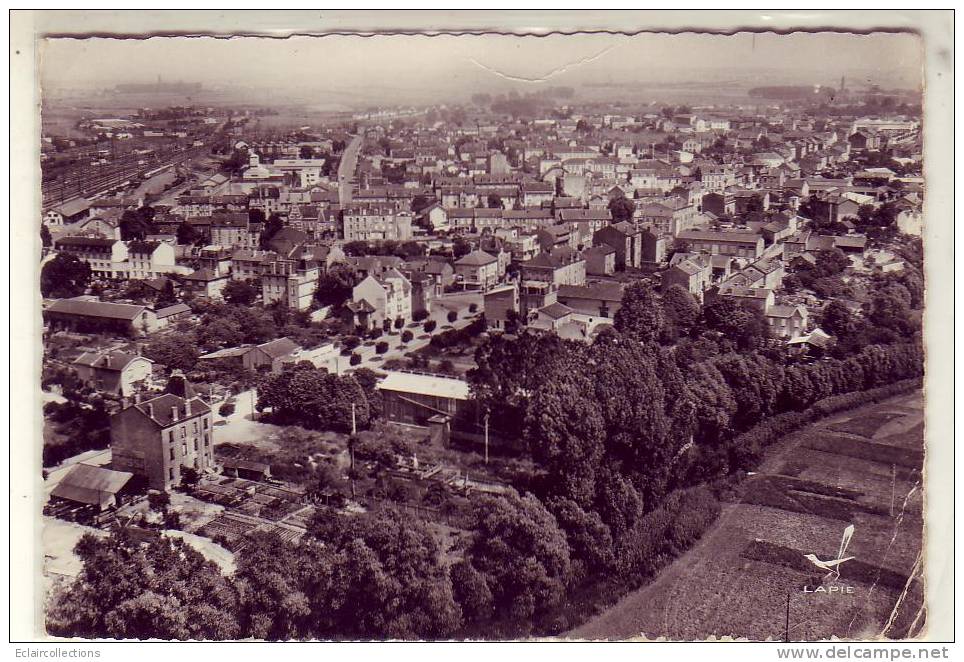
890,309
420,202
336,285
178,352
314,398
239,293
743,324
460,248
507,371
429,326
637,395
582,126
387,579
518,548
237,161
357,248
135,224
272,226
128,590
494,201
189,477
64,276
187,234
590,540
837,320
452,316
166,297
471,592
756,383
306,152
622,208
640,316
45,239
568,445
406,336
217,332
681,312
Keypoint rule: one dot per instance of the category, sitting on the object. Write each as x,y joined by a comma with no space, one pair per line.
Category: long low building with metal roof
414,398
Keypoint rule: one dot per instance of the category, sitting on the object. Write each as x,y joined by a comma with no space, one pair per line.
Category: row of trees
621,433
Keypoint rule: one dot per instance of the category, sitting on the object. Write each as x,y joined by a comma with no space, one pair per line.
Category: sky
483,63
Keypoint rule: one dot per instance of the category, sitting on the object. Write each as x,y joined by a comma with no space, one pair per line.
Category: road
346,170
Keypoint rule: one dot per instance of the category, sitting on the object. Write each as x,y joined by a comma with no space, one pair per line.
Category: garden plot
737,580
853,447
878,484
864,426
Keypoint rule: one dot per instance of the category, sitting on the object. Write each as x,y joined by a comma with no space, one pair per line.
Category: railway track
94,180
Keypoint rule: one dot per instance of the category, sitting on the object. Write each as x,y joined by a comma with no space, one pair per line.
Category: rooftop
431,385
89,308
92,485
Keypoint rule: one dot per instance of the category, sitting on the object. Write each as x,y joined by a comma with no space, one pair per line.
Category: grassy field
737,581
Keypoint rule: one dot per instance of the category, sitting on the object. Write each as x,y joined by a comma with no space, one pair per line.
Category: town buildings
157,438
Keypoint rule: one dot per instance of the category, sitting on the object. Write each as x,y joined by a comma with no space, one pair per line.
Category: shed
91,485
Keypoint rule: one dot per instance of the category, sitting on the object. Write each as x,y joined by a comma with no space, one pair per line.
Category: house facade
158,438
113,371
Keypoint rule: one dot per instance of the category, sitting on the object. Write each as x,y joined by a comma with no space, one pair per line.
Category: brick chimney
107,360
150,409
187,408
174,413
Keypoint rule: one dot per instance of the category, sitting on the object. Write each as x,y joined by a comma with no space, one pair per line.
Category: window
170,473
183,432
172,453
195,427
184,448
205,424
170,436
207,439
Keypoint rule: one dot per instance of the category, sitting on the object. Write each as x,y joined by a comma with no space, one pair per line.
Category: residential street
346,170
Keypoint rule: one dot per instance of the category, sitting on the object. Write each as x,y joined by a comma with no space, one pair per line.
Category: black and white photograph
442,334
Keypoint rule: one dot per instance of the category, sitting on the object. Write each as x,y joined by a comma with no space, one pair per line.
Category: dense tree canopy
622,208
240,293
335,285
174,351
64,276
314,398
136,224
126,590
522,554
640,316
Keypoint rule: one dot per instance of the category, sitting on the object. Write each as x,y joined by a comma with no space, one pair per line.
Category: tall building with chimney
157,438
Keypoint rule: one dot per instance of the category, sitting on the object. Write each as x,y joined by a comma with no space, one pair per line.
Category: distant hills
159,88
